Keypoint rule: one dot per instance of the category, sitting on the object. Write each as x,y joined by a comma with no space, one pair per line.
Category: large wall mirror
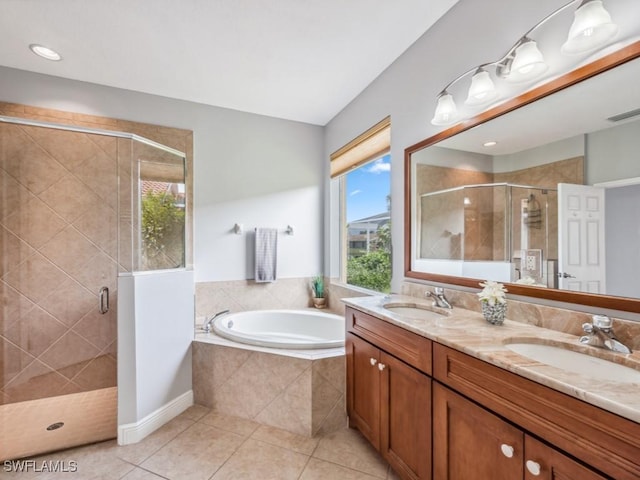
552,208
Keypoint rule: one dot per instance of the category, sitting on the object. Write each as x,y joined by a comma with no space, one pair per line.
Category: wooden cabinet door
363,388
405,416
545,463
471,443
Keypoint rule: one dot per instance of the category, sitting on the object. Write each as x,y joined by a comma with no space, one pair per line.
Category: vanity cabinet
406,394
471,442
602,440
388,400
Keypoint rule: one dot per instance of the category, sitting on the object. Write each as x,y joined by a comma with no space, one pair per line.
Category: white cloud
379,166
355,192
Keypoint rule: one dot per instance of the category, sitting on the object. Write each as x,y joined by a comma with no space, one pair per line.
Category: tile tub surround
243,295
468,332
303,394
200,444
285,293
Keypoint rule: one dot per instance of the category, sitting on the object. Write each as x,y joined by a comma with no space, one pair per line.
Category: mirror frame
580,74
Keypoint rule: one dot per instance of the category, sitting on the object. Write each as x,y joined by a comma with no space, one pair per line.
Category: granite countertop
468,332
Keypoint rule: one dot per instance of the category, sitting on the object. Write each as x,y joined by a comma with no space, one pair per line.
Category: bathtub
286,329
282,368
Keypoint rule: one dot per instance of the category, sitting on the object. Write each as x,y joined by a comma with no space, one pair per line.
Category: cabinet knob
507,450
381,366
373,361
533,467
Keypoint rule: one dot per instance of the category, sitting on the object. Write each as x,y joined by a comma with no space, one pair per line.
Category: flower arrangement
492,293
317,286
494,301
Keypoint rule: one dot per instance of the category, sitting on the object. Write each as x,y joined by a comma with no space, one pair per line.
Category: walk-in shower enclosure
78,208
500,231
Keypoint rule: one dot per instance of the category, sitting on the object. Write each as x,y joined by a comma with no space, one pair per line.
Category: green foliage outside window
162,232
371,270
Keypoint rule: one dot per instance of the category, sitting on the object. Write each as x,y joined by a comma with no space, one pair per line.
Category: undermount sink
414,311
576,362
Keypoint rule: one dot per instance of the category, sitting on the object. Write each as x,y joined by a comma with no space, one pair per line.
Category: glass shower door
58,288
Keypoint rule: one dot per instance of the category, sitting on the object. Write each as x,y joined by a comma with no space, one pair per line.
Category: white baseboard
134,432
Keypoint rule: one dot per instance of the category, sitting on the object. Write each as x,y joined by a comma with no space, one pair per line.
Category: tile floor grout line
306,464
354,469
230,456
273,442
142,468
161,446
225,428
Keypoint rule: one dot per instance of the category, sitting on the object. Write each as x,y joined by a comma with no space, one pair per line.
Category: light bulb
592,28
482,89
446,110
528,63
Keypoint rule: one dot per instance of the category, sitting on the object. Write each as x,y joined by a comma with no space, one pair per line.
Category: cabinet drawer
403,344
602,439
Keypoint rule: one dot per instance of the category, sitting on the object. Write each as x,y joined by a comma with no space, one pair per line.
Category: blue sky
367,189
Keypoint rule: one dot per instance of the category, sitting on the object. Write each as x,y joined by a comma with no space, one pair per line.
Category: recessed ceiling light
45,52
489,144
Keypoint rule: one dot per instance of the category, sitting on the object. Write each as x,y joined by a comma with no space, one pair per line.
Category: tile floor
202,445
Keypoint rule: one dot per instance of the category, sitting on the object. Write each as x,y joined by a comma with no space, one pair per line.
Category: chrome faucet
600,334
439,300
206,326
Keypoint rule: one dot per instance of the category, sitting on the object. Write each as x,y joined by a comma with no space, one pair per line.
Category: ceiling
291,59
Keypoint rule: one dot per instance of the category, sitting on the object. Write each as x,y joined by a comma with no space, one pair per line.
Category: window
162,209
363,168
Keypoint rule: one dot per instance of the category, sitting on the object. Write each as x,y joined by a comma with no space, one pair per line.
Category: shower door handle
104,300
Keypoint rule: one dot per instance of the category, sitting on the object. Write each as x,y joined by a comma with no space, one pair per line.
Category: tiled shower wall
482,223
564,171
58,239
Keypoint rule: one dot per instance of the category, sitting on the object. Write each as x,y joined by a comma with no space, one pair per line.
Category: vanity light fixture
528,62
592,28
45,52
446,111
482,89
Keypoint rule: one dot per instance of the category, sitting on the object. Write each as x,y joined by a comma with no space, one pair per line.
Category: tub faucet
206,326
600,334
439,300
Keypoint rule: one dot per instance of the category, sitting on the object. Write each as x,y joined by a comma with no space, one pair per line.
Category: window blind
373,143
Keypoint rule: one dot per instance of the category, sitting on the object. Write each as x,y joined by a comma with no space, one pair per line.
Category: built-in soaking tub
288,372
296,329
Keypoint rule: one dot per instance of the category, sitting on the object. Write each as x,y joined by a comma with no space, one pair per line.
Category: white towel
266,254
